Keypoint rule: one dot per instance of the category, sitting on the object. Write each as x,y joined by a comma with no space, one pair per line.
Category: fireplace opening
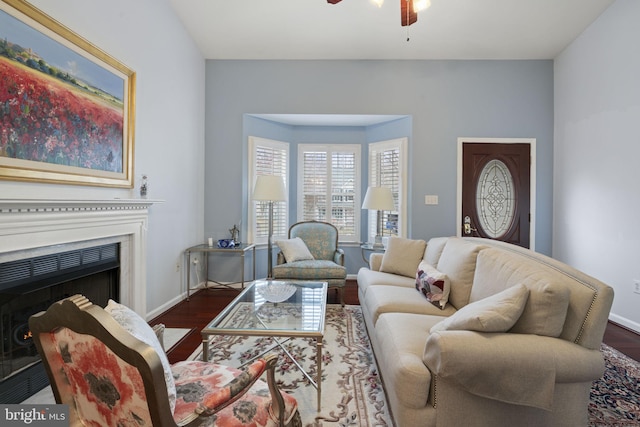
31,285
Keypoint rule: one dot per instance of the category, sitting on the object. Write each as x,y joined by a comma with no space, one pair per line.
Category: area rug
173,336
615,398
352,393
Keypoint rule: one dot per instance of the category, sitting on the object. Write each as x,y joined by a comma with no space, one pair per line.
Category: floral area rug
615,398
352,393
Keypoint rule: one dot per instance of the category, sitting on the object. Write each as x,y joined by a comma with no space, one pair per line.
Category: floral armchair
112,375
321,260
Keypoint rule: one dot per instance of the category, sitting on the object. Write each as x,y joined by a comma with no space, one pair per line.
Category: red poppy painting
66,108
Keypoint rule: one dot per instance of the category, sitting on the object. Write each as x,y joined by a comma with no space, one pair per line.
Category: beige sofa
534,372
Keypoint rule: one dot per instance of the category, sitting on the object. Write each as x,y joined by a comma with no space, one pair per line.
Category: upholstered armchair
109,367
318,258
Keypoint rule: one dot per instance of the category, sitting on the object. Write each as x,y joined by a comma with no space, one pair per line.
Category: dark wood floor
204,305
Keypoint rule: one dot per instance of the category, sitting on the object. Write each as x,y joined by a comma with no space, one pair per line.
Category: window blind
329,190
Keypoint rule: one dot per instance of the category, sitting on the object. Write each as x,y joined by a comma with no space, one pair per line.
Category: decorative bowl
226,243
276,291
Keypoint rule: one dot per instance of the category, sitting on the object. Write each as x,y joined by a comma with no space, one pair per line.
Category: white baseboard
166,306
623,321
352,276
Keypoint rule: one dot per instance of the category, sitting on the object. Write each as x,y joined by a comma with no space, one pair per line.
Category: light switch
430,200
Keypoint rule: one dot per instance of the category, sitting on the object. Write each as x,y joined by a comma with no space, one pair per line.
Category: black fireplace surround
28,286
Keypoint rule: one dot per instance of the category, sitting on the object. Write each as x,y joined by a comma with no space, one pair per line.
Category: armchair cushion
310,270
294,250
203,388
136,326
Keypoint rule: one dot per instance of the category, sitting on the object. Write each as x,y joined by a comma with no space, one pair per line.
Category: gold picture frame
66,107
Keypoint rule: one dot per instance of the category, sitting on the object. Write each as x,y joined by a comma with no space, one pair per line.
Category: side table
370,247
239,250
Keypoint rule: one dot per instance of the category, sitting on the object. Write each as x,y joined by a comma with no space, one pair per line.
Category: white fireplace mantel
28,225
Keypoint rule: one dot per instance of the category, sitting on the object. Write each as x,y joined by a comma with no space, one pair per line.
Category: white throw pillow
497,313
136,326
294,250
402,256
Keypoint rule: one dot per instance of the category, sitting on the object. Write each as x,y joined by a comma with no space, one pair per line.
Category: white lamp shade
269,187
379,199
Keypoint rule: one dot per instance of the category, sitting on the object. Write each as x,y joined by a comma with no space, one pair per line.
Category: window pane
329,190
267,157
386,162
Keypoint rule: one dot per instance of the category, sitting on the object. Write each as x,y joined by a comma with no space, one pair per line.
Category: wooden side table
239,250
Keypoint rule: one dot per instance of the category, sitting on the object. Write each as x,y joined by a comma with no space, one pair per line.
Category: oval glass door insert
495,199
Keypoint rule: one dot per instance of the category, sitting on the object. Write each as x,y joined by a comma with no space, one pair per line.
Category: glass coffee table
278,309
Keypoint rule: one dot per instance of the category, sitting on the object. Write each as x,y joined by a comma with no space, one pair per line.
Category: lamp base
378,242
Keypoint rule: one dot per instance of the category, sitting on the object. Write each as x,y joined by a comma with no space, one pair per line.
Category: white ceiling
357,29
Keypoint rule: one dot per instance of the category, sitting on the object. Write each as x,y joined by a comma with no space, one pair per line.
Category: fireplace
46,229
31,285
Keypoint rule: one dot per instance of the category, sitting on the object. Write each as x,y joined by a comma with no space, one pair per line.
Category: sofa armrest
375,261
338,257
514,368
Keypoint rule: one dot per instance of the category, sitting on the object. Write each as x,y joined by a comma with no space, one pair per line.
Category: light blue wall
444,99
169,130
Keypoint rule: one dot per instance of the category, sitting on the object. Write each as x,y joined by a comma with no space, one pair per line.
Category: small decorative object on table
144,186
235,234
226,243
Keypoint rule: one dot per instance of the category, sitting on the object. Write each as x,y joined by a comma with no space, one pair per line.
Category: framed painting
66,107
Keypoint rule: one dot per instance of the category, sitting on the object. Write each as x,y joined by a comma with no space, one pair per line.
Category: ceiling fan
408,9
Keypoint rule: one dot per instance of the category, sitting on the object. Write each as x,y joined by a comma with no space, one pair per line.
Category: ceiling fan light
377,2
419,5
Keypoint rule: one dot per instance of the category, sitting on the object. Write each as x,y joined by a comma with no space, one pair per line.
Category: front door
496,191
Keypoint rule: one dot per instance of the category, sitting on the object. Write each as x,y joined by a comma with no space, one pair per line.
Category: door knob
467,226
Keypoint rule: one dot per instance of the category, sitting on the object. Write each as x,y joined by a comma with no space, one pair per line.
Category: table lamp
379,199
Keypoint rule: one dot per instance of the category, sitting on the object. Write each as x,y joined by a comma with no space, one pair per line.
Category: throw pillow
545,311
402,256
497,313
294,250
136,326
435,286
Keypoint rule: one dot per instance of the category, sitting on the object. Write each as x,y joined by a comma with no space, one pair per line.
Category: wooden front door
496,191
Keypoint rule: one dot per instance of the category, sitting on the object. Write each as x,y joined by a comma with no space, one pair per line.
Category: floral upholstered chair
109,367
312,253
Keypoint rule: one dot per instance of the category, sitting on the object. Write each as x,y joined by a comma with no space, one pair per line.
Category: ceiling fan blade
407,15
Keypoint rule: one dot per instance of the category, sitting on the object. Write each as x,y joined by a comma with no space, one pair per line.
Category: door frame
532,180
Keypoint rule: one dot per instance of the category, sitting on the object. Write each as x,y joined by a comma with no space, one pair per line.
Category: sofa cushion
458,262
402,256
434,249
497,313
399,346
546,308
136,326
294,250
396,299
433,285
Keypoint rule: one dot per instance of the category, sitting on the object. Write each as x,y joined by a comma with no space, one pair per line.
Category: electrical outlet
636,286
195,261
177,266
